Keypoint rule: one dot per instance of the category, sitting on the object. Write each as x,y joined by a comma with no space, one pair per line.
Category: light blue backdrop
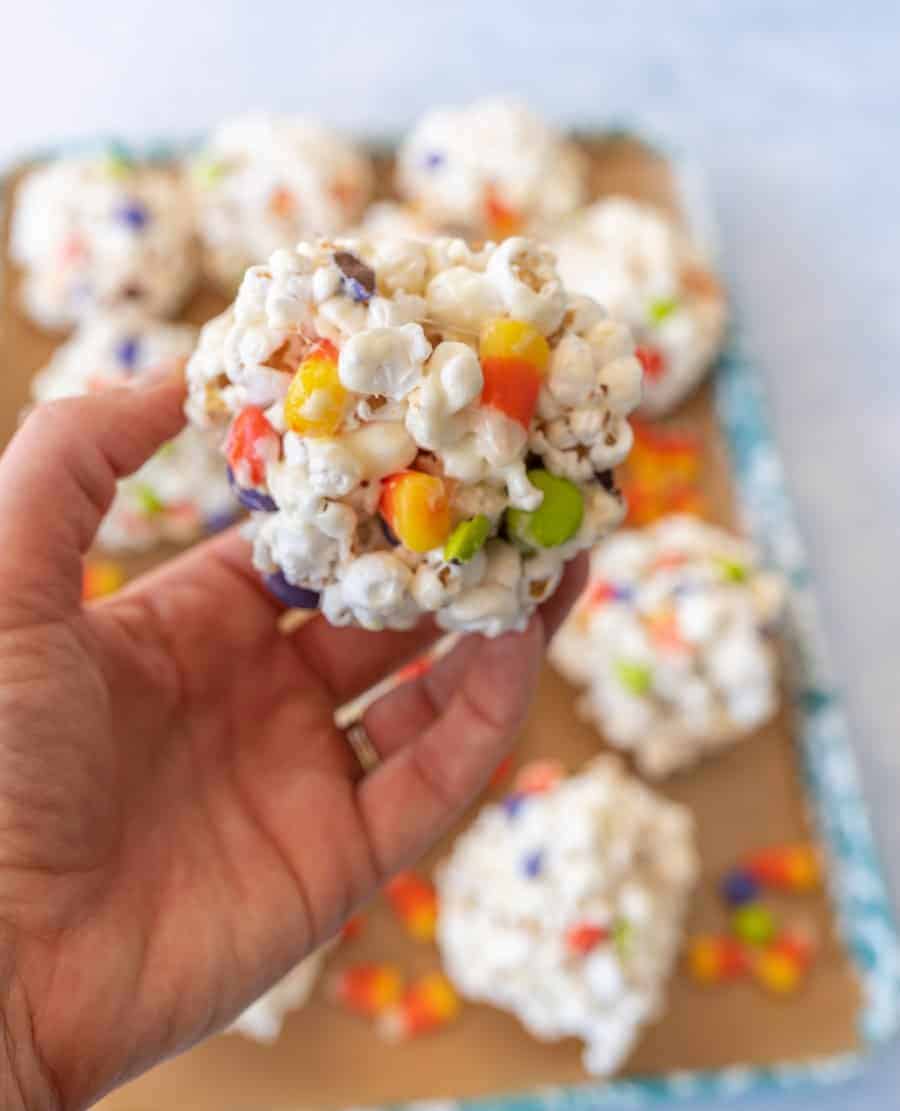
795,111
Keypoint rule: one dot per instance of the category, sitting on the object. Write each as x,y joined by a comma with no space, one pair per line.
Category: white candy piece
364,357
493,167
566,907
97,233
266,181
639,265
670,643
262,1020
181,492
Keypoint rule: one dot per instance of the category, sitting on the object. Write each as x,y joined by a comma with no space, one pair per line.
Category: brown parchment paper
750,796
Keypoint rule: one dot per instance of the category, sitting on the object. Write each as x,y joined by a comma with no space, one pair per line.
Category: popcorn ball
565,907
181,492
262,1020
418,427
670,644
266,181
492,168
644,270
101,232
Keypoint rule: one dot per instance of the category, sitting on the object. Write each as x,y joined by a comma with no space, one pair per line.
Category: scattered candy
428,1004
556,520
514,357
316,400
753,923
662,475
794,868
739,887
716,959
416,507
414,901
467,539
368,989
101,577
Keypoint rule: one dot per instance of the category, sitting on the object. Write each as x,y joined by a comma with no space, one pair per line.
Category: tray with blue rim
795,779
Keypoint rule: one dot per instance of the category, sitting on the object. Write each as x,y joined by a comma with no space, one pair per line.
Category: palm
180,820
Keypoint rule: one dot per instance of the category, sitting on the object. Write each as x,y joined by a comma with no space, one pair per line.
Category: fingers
394,720
58,478
417,792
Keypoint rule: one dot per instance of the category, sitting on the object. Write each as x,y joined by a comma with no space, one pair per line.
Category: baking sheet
752,795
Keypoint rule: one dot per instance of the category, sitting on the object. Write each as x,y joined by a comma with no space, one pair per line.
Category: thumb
58,478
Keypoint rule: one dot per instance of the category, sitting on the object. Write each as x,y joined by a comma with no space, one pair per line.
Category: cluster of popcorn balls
419,405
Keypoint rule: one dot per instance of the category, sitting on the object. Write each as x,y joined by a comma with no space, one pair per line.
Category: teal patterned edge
856,880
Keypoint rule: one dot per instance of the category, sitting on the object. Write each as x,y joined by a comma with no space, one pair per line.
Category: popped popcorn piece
94,233
442,454
669,642
262,1021
492,168
564,905
633,259
266,181
182,492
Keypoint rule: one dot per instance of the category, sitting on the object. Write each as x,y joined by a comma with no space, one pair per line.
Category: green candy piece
637,678
208,172
555,520
754,924
623,937
732,571
466,539
149,502
662,308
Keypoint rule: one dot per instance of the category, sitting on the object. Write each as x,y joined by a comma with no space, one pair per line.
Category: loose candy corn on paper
747,800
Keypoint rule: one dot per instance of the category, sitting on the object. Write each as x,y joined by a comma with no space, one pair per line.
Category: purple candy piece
296,597
250,498
433,159
533,864
134,214
127,352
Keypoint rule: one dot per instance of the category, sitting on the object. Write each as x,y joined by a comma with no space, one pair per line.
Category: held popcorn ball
669,641
418,427
492,168
266,181
566,909
179,494
100,232
634,260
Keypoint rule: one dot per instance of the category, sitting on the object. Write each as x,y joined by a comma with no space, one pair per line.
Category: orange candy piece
538,776
414,901
100,578
715,959
796,868
514,357
416,507
585,936
502,220
428,1004
368,989
249,437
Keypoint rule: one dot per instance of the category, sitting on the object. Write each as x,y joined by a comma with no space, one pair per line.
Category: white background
795,111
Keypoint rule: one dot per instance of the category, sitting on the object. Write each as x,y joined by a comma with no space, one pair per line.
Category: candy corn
251,441
795,868
514,357
316,400
414,901
585,936
416,507
714,959
428,1004
368,990
652,360
101,577
501,219
782,966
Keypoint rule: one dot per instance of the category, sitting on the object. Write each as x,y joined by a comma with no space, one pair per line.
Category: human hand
180,819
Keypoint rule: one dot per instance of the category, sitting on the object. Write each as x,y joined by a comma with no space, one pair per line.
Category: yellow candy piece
514,339
316,400
777,972
416,507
